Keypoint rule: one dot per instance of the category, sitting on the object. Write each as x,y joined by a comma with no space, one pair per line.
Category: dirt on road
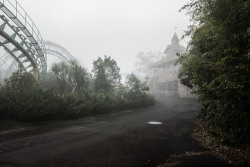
122,139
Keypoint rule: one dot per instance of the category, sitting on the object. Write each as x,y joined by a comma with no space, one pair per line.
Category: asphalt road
123,139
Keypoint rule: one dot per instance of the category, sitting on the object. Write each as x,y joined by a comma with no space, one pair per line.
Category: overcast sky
117,28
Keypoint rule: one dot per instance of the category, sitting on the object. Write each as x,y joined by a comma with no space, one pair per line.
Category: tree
135,86
106,74
217,63
144,60
137,92
61,71
50,82
71,77
78,76
21,81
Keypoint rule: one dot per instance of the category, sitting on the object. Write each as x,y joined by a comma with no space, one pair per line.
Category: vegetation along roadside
70,92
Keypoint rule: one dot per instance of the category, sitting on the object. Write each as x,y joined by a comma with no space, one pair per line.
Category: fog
120,29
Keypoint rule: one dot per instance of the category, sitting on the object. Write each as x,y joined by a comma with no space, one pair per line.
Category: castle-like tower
174,48
164,73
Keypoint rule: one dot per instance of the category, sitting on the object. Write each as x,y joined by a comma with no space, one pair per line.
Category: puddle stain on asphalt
154,123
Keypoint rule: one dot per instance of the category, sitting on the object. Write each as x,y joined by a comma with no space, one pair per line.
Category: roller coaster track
4,59
57,50
22,40
27,44
51,48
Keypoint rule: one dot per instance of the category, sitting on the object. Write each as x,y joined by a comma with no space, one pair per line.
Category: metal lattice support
22,51
4,59
12,67
51,49
28,47
23,41
57,50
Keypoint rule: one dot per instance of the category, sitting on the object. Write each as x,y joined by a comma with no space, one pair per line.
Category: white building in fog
163,78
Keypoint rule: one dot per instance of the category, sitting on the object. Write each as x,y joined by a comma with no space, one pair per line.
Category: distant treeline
69,91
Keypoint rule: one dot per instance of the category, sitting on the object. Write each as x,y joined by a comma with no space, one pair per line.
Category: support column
173,84
35,74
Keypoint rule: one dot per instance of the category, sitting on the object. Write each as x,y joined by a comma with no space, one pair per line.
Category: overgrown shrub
217,64
24,100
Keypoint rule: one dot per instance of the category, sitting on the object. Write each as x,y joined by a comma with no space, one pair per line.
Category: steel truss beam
33,52
51,49
57,50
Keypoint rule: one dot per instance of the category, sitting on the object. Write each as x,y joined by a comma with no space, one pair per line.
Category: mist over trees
70,77
106,74
217,64
69,91
144,59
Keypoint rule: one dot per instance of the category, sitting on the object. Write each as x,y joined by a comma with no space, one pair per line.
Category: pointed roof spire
175,40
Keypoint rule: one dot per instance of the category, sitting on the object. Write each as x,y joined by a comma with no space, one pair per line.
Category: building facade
163,80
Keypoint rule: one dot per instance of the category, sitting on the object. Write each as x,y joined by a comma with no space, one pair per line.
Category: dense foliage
144,60
106,74
73,96
217,64
70,77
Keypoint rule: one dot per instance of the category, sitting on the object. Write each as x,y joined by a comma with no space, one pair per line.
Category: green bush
32,103
217,64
